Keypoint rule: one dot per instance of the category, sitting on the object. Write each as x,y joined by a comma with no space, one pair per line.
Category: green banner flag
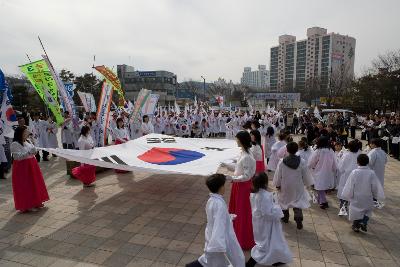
38,73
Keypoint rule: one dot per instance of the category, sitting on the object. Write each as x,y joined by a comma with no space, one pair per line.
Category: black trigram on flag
214,148
113,159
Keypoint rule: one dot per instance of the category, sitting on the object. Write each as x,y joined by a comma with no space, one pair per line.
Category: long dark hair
18,134
85,130
303,143
260,181
257,135
323,142
270,131
118,120
244,139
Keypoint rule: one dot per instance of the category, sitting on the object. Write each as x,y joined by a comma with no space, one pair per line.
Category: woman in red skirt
85,173
257,151
28,184
239,203
121,136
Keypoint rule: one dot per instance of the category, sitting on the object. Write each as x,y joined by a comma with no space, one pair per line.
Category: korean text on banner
103,111
39,75
140,101
112,78
150,106
60,86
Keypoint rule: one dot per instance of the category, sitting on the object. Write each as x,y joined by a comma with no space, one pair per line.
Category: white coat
51,132
360,189
304,154
377,162
135,127
274,159
220,239
3,157
292,182
323,164
269,141
347,164
271,246
38,130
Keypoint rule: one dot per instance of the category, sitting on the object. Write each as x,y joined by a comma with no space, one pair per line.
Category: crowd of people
328,159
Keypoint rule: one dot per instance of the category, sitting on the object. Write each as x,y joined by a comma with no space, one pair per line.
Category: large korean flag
159,153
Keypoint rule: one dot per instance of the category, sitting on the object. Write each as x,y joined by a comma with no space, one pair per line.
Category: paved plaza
145,219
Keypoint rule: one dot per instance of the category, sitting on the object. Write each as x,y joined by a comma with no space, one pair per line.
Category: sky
192,38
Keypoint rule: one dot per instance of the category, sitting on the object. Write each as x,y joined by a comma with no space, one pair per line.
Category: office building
159,82
258,79
322,58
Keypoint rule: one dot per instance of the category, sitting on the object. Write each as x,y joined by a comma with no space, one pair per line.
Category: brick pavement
158,220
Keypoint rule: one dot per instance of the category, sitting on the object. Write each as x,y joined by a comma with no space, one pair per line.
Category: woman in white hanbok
274,159
271,247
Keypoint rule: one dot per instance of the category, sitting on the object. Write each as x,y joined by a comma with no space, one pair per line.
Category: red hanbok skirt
117,142
239,204
260,165
28,184
85,173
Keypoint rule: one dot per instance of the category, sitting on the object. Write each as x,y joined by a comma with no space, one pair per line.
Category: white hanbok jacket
51,132
274,159
67,132
256,151
271,246
292,183
360,189
323,165
147,128
347,164
21,152
121,134
377,162
85,142
220,239
245,167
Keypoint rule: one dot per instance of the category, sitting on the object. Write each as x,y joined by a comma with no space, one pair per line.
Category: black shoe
251,262
356,228
363,227
45,159
285,220
299,225
278,264
324,205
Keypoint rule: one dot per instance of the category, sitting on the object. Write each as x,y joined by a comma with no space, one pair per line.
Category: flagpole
30,61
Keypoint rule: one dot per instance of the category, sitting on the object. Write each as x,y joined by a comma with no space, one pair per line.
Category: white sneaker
343,211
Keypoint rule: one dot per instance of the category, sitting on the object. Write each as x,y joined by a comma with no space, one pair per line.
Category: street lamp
204,87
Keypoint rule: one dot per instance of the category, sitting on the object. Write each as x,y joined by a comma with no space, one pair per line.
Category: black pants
3,166
45,154
68,146
353,132
298,215
37,156
395,151
194,264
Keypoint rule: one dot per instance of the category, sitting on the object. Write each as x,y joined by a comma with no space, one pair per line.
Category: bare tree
389,61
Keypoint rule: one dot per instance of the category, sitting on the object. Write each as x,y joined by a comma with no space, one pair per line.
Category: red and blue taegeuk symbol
10,115
169,156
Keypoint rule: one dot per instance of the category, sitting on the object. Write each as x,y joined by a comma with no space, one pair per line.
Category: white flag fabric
88,102
157,153
150,105
103,113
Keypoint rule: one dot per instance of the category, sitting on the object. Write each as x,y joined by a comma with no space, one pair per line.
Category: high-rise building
322,57
258,79
159,82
